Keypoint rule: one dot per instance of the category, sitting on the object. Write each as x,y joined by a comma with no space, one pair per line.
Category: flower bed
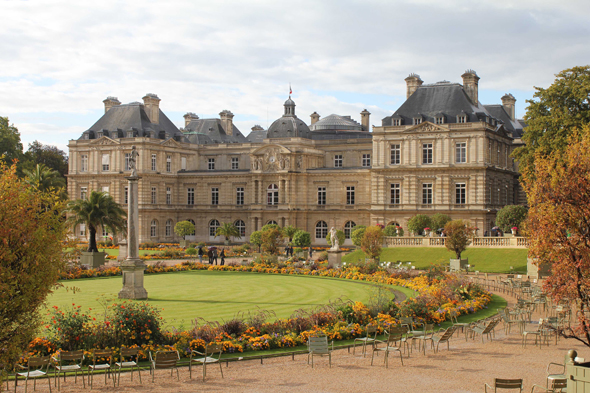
139,324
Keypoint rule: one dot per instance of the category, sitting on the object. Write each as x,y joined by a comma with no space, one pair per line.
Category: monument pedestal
122,250
132,270
334,258
92,259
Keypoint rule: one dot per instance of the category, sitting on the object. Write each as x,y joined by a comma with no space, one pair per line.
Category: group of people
212,254
289,251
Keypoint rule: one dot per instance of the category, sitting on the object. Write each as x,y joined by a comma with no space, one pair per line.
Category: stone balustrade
496,242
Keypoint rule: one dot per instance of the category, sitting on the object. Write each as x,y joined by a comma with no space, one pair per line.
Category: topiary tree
341,237
357,234
301,239
418,223
271,240
438,221
511,216
390,230
289,231
184,228
256,239
228,229
372,241
459,234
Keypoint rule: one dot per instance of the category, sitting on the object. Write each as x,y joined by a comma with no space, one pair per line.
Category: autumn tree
31,257
372,241
552,116
271,240
558,226
458,236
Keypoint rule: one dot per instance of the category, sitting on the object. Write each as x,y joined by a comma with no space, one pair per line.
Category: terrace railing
483,242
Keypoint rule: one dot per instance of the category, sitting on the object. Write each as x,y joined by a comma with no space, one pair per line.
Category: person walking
210,255
222,255
215,255
200,253
310,251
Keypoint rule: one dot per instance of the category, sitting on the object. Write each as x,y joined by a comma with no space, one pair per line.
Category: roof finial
290,90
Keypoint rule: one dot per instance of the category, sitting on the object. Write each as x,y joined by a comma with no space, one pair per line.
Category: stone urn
457,265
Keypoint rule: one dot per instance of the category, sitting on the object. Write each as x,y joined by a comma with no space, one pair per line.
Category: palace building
442,151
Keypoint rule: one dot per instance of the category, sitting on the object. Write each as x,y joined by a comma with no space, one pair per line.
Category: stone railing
496,242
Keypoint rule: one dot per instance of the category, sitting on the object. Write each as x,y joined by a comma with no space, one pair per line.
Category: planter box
537,271
93,259
577,374
457,265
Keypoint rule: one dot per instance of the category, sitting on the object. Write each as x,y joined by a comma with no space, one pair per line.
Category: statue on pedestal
334,240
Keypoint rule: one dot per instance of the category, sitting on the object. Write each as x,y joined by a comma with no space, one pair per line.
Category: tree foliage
256,239
553,115
10,145
227,230
459,234
438,221
511,216
98,211
46,179
558,227
289,231
302,239
271,240
31,240
341,237
48,155
417,223
372,241
357,234
184,228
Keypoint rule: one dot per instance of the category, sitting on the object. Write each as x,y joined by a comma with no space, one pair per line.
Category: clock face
272,159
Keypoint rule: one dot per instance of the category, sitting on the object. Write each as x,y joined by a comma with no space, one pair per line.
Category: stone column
133,267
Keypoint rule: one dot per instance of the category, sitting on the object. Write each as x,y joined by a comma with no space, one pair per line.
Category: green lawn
217,296
488,260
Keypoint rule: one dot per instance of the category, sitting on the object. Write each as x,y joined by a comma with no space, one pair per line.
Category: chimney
413,81
314,118
110,102
190,116
365,120
508,102
151,102
257,128
227,121
470,82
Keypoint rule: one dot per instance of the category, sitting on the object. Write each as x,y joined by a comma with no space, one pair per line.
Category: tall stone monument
133,267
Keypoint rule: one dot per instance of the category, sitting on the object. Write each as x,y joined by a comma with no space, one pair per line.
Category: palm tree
228,229
45,179
99,210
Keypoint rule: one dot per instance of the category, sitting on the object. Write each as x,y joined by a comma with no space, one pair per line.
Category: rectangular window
240,196
396,122
461,152
183,163
169,228
427,153
82,229
321,195
127,158
460,193
168,196
211,163
126,195
396,155
350,195
338,161
154,192
106,160
168,163
190,196
129,134
153,162
427,194
215,196
366,160
105,189
462,119
395,194
83,192
84,163
235,163
439,120
417,120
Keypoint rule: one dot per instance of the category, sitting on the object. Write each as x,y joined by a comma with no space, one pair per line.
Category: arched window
241,227
393,223
321,230
192,222
213,225
169,228
272,195
272,222
348,229
154,228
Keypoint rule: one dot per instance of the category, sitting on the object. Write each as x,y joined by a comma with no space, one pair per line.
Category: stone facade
337,174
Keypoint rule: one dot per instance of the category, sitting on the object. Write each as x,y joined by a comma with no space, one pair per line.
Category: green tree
372,241
31,257
459,234
271,240
48,155
302,239
390,230
341,237
418,223
256,239
553,115
46,179
11,148
357,234
184,228
227,230
439,220
289,231
98,211
511,216
269,226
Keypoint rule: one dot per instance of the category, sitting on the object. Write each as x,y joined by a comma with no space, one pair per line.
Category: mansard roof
198,129
513,126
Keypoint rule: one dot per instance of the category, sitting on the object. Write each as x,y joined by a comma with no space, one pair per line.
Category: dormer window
129,134
87,136
99,134
417,120
462,118
396,122
439,119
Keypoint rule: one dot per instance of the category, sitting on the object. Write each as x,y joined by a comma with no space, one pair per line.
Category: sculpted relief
271,161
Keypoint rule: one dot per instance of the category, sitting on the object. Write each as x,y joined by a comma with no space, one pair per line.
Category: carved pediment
426,127
170,143
271,159
105,140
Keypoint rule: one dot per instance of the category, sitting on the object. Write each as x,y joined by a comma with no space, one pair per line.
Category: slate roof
122,118
336,122
256,136
288,127
207,131
513,126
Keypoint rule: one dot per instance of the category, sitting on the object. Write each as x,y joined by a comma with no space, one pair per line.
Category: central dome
289,125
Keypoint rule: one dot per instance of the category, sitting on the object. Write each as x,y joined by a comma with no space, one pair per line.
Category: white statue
133,161
334,240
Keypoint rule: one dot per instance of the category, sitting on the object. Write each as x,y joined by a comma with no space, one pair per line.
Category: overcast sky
60,59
